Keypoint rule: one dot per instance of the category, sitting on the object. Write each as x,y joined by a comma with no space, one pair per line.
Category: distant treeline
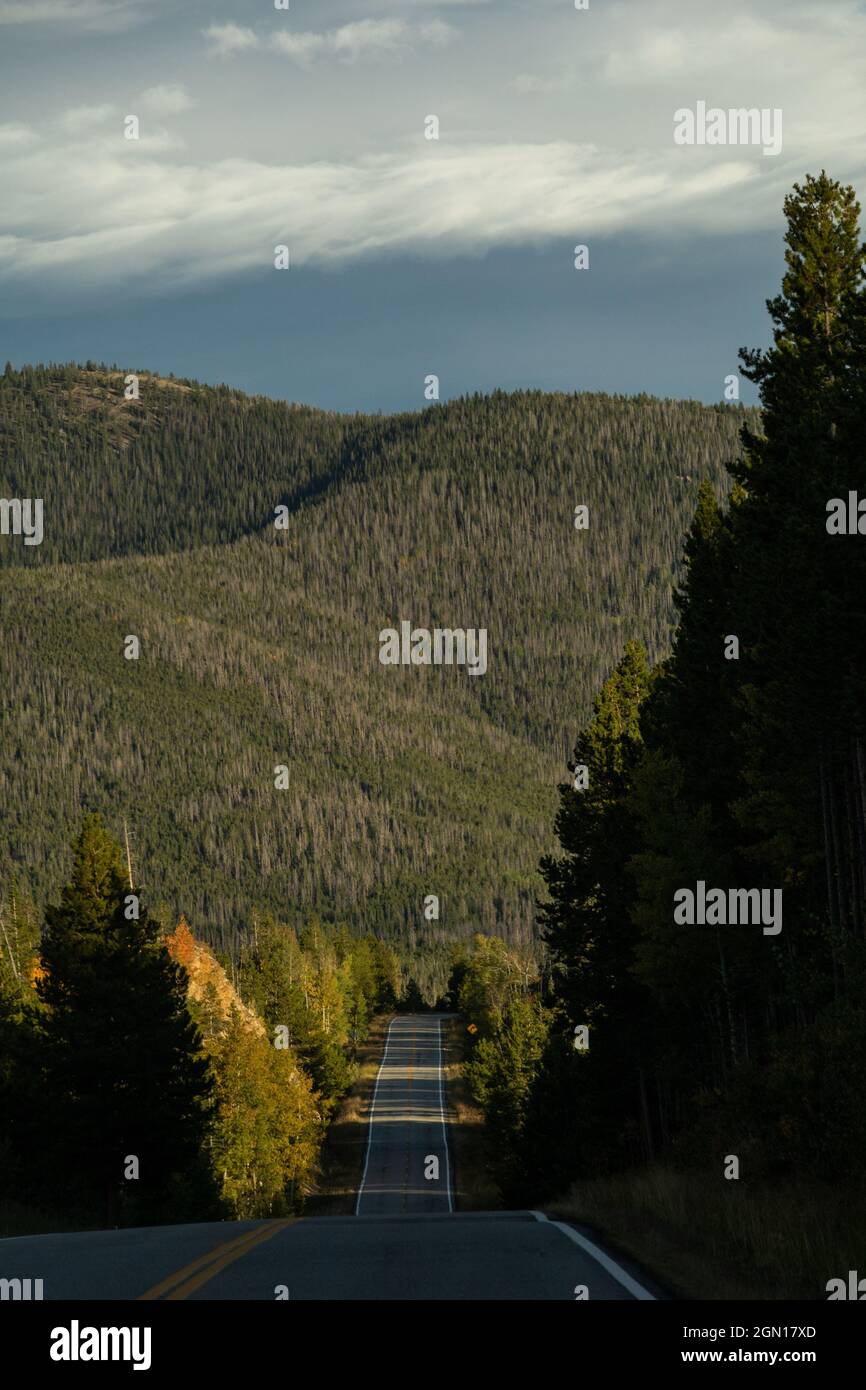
649,1037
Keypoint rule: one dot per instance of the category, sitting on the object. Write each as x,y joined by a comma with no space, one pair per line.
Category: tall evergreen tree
589,932
703,984
804,811
124,1070
691,710
587,914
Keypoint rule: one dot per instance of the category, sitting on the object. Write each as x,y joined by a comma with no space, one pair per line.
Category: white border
372,1112
444,1131
616,1271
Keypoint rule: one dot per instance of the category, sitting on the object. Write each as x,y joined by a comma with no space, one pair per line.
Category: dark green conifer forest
259,645
705,1041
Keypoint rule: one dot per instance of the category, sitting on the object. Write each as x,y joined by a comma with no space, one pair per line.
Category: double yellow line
199,1271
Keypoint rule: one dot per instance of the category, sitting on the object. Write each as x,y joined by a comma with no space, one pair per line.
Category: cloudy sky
305,127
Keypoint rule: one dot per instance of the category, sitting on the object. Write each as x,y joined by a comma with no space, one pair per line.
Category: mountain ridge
260,649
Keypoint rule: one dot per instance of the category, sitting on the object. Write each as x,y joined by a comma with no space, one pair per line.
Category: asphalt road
407,1166
405,1241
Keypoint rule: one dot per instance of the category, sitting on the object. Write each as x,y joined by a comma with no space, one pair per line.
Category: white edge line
444,1130
635,1289
372,1112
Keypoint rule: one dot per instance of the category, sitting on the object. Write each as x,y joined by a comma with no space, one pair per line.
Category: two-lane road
407,1166
405,1241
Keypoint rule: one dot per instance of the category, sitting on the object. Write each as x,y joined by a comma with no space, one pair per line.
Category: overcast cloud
306,127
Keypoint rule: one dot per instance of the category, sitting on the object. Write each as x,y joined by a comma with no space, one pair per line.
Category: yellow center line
195,1264
273,1228
212,1262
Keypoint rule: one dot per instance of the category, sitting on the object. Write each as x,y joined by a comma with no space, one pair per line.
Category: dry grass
472,1185
710,1238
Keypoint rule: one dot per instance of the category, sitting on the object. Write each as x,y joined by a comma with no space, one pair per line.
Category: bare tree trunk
12,959
128,856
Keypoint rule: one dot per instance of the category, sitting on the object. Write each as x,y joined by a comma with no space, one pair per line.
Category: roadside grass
342,1157
472,1186
705,1237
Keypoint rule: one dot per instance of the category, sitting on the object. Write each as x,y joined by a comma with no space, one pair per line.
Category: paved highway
404,1242
407,1167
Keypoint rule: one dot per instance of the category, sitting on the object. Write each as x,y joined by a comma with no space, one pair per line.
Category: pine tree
587,915
413,1000
797,604
587,923
680,800
124,1071
691,712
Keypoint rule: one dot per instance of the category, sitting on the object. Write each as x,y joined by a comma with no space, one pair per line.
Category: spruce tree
125,1077
587,914
798,613
705,985
589,932
691,712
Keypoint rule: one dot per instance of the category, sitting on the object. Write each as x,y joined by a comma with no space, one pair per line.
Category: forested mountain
259,645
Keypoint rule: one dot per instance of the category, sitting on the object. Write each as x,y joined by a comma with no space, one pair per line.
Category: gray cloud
107,15
556,126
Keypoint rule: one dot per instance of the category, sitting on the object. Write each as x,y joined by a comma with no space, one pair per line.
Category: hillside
260,647
209,989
